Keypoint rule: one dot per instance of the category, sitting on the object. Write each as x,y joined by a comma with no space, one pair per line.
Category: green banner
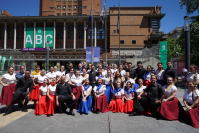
49,36
29,37
163,54
9,59
0,58
39,37
3,62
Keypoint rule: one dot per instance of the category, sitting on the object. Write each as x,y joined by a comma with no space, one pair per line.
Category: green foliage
173,49
191,5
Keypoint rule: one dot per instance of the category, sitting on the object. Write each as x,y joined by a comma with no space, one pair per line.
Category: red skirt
51,105
34,96
7,94
41,107
128,106
146,83
171,110
116,106
77,91
192,117
101,104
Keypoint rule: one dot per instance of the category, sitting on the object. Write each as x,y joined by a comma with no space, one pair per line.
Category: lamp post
47,57
187,41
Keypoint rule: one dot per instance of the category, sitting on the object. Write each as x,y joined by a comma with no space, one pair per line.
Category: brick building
139,28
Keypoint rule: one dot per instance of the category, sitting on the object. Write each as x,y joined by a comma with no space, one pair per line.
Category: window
79,6
51,7
69,6
58,6
84,7
145,42
60,32
64,6
121,41
101,46
133,41
51,0
69,14
70,31
71,46
80,32
114,31
17,32
60,46
58,14
80,46
74,14
75,6
69,0
79,13
8,32
74,0
89,32
63,14
63,0
100,32
57,0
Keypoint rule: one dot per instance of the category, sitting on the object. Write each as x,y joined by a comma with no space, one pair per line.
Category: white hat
184,70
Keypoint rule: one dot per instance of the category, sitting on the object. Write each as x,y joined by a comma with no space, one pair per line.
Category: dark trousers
20,101
144,104
92,95
16,97
65,100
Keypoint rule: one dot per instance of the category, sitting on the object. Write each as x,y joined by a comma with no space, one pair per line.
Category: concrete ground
109,122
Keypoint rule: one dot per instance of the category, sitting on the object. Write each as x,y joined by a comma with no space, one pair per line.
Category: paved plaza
20,122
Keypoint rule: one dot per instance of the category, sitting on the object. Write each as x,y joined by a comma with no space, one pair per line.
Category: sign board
96,54
88,54
33,49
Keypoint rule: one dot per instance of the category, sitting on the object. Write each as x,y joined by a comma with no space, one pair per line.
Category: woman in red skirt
34,96
51,104
170,107
128,96
50,75
41,107
116,105
147,76
8,83
77,87
101,99
191,101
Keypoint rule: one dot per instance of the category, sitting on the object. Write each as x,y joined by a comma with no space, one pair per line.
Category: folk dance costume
192,116
51,104
85,106
101,101
130,80
128,104
191,77
86,76
109,90
7,91
171,110
34,96
147,78
159,76
123,73
50,76
41,107
77,89
69,77
98,77
116,104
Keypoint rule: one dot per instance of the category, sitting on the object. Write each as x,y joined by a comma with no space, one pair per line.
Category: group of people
109,88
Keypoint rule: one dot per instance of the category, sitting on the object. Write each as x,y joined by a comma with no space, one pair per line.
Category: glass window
133,41
79,13
71,46
121,41
114,31
64,6
58,6
17,32
84,7
74,14
51,7
60,32
64,14
69,6
75,6
60,46
63,0
8,32
58,14
80,6
80,32
70,31
22,32
80,46
69,14
145,42
100,32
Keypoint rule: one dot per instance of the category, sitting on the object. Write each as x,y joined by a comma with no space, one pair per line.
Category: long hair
170,86
161,64
196,72
193,90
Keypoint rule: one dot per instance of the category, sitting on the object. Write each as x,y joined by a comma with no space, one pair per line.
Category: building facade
175,33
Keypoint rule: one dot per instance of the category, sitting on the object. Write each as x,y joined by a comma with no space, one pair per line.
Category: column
95,33
15,35
84,34
64,35
34,32
74,34
24,34
54,35
44,36
5,35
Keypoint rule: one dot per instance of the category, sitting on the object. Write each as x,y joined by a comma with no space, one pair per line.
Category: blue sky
173,18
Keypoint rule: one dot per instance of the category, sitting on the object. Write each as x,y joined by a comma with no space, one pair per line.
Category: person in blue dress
108,81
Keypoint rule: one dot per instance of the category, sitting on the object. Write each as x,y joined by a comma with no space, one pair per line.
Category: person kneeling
116,104
64,95
86,100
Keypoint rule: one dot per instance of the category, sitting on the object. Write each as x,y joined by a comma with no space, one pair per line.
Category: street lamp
47,57
187,41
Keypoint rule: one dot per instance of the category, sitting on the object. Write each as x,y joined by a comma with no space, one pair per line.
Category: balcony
157,35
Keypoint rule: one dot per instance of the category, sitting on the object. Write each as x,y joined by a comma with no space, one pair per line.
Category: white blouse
119,94
51,75
62,73
52,90
131,80
128,96
97,77
188,97
87,76
44,90
77,81
123,73
190,77
113,70
160,75
86,92
139,90
103,87
69,77
9,79
40,79
169,93
107,80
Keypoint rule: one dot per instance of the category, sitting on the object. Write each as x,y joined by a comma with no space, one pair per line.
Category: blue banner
88,54
96,54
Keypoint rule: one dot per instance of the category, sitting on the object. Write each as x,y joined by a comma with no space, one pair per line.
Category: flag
3,62
0,58
90,19
103,14
118,24
9,59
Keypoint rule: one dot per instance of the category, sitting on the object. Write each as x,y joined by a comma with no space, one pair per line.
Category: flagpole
92,37
105,34
119,36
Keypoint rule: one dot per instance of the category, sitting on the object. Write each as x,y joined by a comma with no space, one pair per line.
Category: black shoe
24,110
97,112
6,110
72,113
133,114
6,113
33,106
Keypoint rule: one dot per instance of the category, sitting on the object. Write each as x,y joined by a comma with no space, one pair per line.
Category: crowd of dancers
113,88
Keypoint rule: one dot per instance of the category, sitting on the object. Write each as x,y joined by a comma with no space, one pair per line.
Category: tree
173,49
191,5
